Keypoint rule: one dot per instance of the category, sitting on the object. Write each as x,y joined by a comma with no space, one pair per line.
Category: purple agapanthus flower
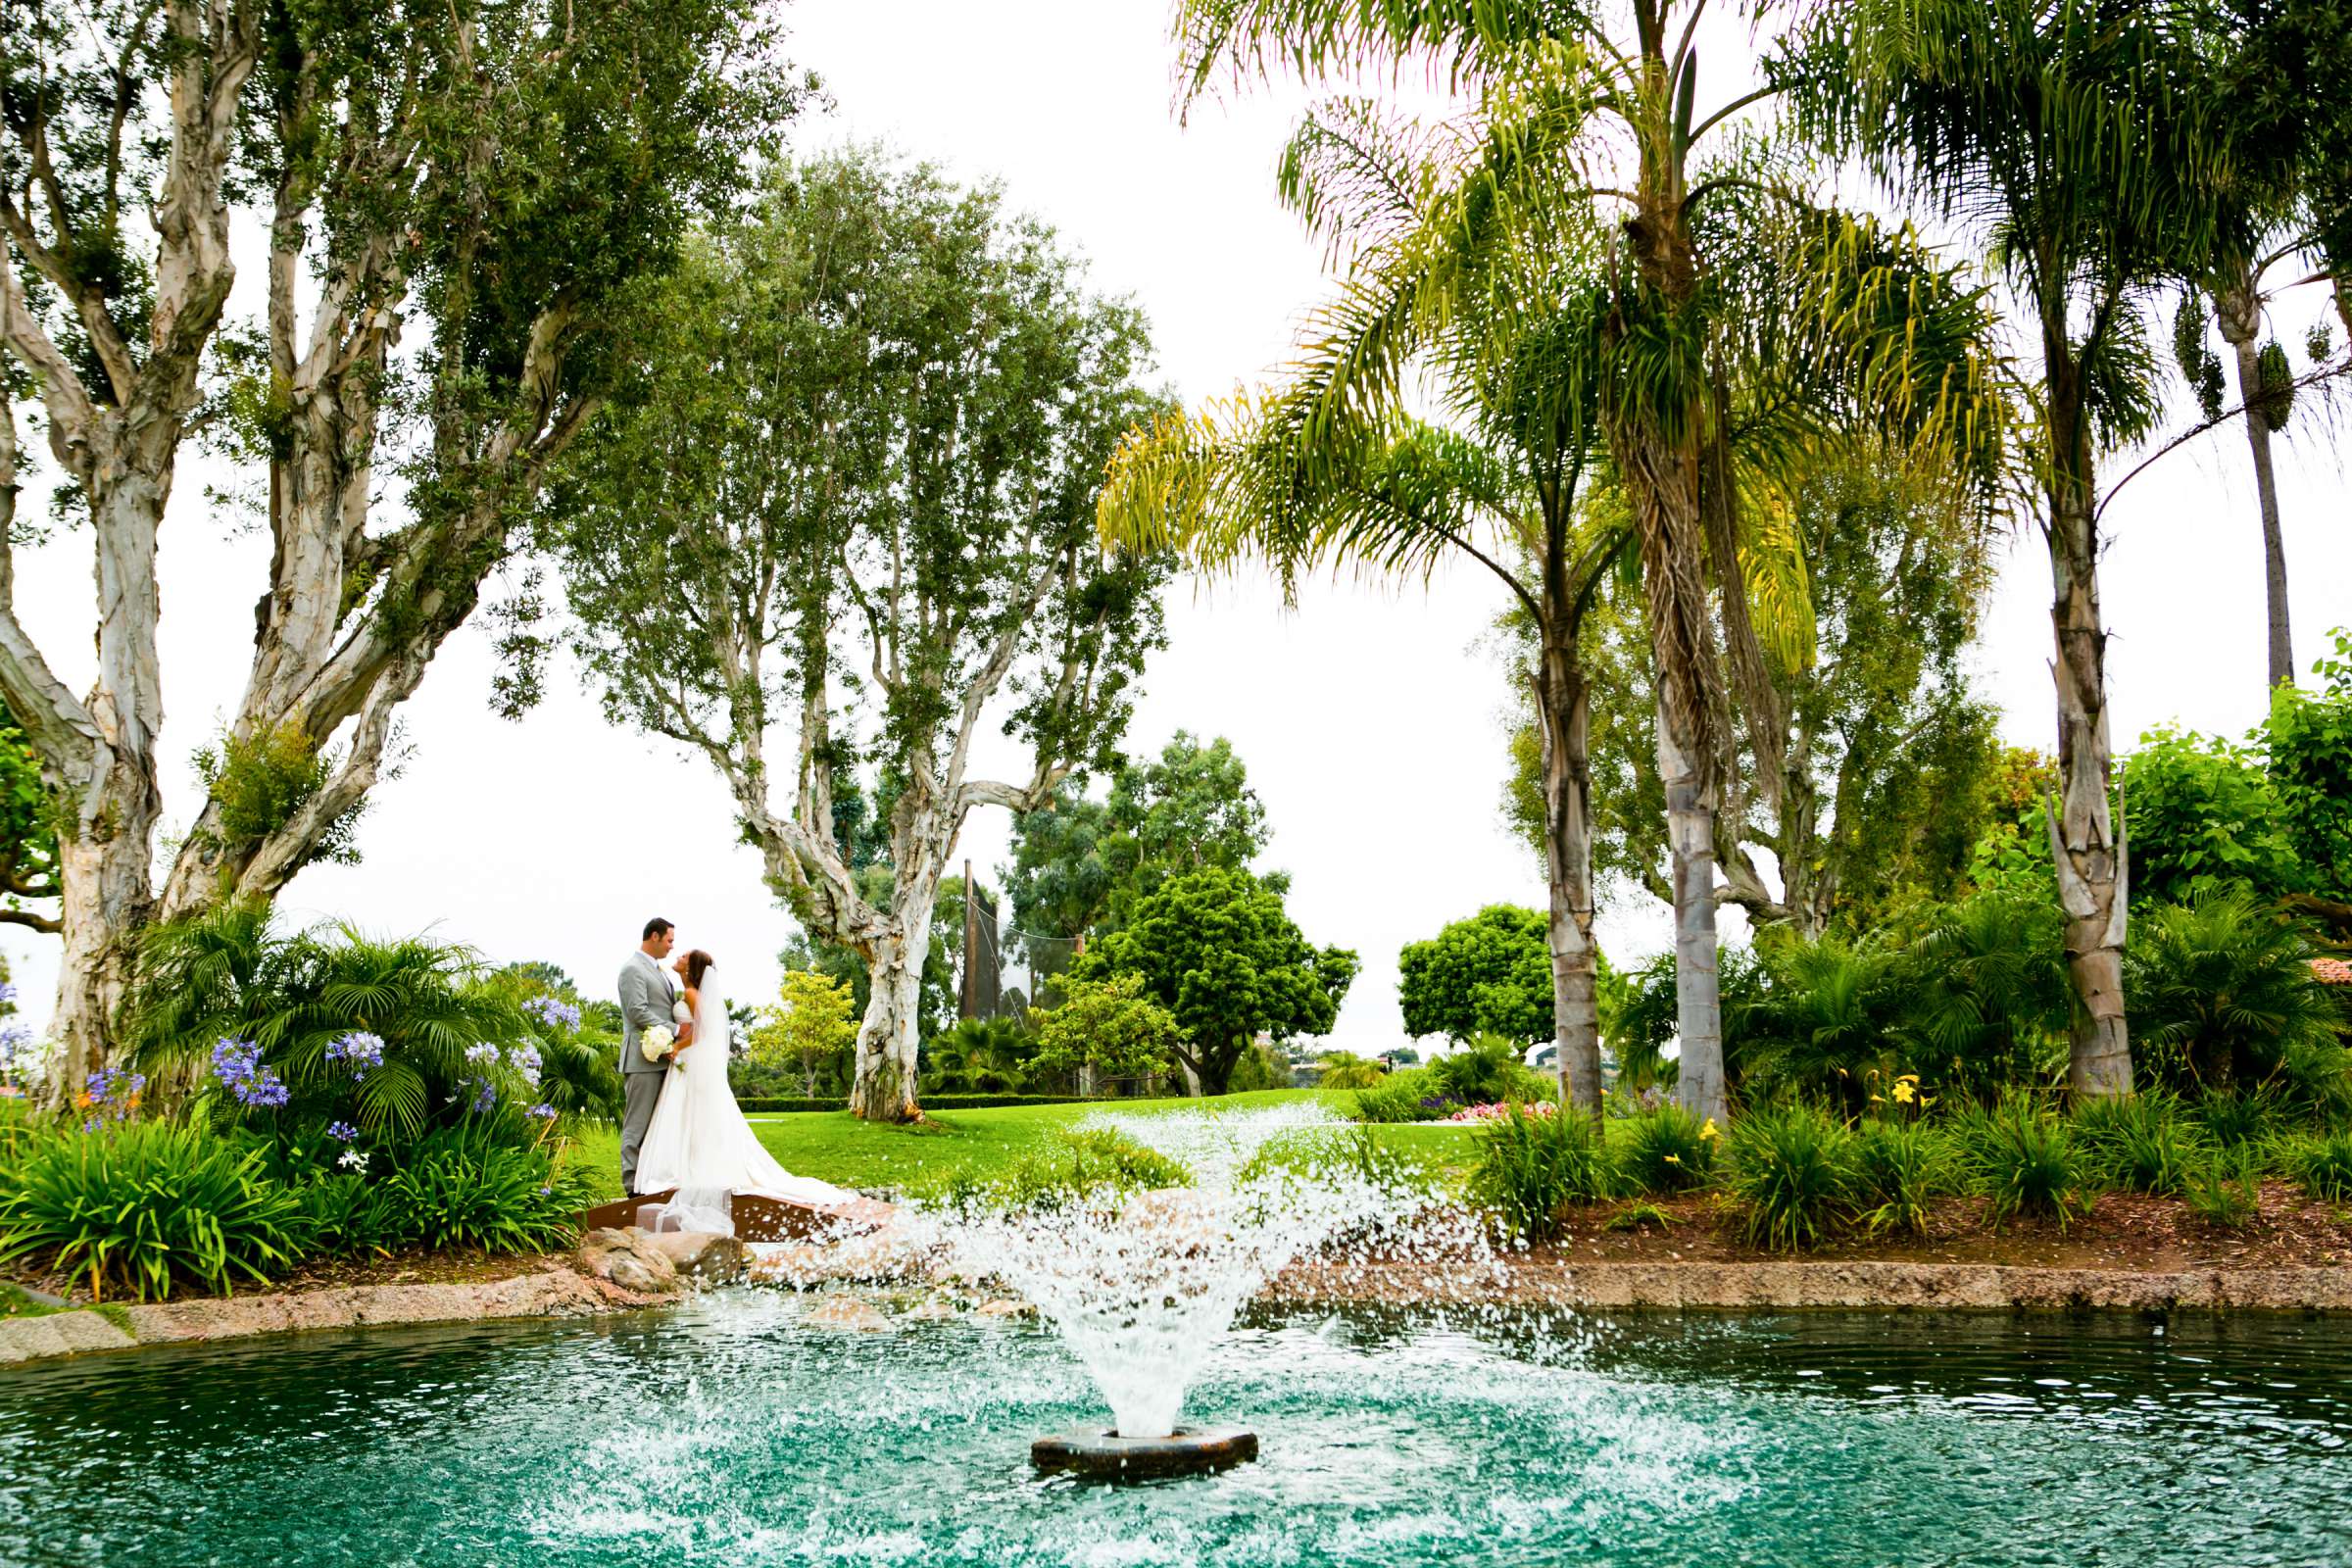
553,1012
342,1131
114,1086
238,1063
485,1096
543,1112
362,1050
525,1057
481,1056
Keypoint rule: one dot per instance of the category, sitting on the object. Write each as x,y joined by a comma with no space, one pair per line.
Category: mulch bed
2123,1231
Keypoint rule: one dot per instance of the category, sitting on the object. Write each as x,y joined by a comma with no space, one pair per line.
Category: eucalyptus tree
847,494
497,168
1731,325
2066,134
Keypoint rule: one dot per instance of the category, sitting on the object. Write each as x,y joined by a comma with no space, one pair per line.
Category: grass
14,1303
835,1146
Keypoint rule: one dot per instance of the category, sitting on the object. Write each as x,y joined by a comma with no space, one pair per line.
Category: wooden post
972,941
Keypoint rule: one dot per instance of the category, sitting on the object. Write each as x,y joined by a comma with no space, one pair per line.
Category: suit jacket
645,996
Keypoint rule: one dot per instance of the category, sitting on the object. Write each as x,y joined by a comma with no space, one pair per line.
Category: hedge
929,1102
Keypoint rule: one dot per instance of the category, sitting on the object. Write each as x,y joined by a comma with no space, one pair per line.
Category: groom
646,995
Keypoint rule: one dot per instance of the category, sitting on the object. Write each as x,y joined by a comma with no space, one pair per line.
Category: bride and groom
681,1131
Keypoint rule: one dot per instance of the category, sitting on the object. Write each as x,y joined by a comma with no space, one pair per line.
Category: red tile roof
2332,971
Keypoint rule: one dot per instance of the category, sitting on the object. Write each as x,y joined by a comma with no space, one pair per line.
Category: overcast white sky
1368,716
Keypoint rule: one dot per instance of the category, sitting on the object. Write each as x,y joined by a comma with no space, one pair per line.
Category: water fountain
1140,1286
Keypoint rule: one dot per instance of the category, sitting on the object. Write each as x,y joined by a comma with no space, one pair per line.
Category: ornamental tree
485,176
1217,950
812,1024
1112,1027
1487,974
841,516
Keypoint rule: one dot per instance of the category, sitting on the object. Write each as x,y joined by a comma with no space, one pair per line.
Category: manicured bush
2026,1162
147,1207
2322,1163
1664,1150
1791,1171
1899,1168
1532,1169
2143,1144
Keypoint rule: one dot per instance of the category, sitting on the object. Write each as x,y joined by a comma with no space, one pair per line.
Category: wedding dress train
700,1144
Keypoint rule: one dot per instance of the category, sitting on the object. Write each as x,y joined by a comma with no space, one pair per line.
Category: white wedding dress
700,1144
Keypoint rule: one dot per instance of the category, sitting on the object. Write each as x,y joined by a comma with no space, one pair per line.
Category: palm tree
2066,133
1711,342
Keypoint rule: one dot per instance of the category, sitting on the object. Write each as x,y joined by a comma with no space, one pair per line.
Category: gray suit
646,995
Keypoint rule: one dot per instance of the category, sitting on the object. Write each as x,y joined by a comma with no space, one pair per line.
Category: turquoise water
730,1433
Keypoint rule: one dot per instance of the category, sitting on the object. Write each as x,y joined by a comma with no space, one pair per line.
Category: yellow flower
1878,1099
1709,1129
1902,1091
1674,1159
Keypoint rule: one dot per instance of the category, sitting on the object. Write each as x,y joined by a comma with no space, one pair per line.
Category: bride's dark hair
698,964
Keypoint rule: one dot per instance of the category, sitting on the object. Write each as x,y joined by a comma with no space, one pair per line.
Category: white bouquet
656,1042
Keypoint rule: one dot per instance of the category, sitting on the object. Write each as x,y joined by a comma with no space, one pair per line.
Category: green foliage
1487,1073
2144,1142
29,815
2225,1187
226,974
345,1215
1899,1168
146,1207
2308,743
1821,1024
981,1055
1411,1094
2201,809
811,1026
1217,948
459,1188
1260,1067
1345,1069
259,781
1983,998
2235,1116
1532,1168
1790,1172
1113,1026
1664,1150
2223,993
1096,1167
2024,1160
2321,1162
1487,974
1638,1216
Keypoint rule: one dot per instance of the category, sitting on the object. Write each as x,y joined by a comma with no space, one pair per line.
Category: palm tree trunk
2088,849
1563,706
1698,1005
2282,643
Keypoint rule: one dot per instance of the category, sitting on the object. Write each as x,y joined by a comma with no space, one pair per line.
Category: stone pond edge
555,1291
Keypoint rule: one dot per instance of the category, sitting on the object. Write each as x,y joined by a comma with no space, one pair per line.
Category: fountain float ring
1095,1453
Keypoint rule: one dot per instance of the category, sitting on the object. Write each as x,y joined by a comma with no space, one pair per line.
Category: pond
731,1432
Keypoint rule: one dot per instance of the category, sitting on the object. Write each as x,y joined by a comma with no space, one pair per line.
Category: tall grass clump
143,1209
1664,1150
1899,1170
2226,1188
2320,1163
1790,1170
1532,1169
2026,1162
2143,1144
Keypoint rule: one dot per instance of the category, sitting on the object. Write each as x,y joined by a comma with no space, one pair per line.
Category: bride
699,1142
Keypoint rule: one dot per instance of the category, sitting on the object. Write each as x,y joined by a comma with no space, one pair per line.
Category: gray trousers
641,1090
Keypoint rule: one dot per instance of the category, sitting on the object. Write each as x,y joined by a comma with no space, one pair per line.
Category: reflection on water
728,1432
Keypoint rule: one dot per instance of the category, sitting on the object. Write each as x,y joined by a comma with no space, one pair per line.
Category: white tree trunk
888,1038
1698,1005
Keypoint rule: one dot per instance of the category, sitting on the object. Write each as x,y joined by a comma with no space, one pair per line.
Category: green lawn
835,1146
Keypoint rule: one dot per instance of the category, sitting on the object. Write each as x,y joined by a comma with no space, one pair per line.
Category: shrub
2223,993
1412,1095
2026,1162
2143,1144
1258,1066
1489,1071
1664,1150
2226,1188
2231,1118
463,1189
1790,1170
1899,1166
1532,1168
1345,1069
1985,993
145,1207
345,1215
2322,1163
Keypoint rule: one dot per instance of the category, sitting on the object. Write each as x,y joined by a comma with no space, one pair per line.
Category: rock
703,1257
22,1339
629,1259
851,1312
931,1311
1005,1306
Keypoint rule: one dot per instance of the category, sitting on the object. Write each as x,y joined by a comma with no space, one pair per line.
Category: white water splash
1143,1287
